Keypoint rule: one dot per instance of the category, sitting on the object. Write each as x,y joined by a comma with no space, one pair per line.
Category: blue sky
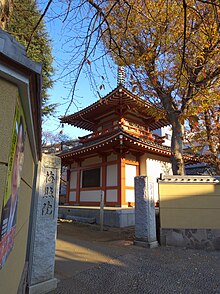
84,95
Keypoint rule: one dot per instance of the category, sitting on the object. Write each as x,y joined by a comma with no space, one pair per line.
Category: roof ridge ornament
121,76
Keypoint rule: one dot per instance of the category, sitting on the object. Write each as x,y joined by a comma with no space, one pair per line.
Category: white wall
90,196
165,131
111,195
112,175
72,196
154,168
130,173
129,195
73,177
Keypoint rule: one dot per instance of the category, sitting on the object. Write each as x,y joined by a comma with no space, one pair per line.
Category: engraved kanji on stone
50,177
51,192
47,208
46,191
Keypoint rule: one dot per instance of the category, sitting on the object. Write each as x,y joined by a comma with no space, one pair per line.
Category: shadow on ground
81,246
91,262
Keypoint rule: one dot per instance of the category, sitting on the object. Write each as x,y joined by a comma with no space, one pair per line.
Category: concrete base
44,287
113,217
146,244
81,219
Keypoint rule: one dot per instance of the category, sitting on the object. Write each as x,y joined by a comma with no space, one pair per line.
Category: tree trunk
211,141
6,7
177,145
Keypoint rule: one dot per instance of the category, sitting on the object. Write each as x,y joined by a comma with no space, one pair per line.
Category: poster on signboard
10,197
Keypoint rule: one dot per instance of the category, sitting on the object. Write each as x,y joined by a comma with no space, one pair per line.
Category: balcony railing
96,135
142,133
132,130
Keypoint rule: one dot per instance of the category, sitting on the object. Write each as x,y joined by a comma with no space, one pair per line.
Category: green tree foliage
21,25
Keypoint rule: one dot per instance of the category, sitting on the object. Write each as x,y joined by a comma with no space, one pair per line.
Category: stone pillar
145,224
44,227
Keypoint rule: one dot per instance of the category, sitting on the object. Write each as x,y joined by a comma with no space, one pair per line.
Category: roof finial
121,75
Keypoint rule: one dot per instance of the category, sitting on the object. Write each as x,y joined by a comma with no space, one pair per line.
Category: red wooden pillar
68,184
78,182
121,180
104,174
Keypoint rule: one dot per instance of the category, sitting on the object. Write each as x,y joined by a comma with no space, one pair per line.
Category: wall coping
16,52
188,179
17,68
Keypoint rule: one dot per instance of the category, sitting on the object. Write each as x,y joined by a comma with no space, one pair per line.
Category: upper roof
121,100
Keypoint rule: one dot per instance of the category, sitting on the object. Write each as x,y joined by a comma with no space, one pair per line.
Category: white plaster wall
129,195
72,196
154,168
73,177
90,196
162,132
112,175
130,173
111,195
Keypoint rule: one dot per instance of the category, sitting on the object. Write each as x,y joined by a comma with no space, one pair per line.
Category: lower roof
120,142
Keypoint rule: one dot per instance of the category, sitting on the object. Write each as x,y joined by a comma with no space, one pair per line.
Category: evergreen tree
21,25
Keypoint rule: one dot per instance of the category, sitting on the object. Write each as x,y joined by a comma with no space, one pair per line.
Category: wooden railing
96,135
142,133
134,131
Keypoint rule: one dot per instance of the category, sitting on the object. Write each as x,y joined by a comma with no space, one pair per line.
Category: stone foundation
208,239
119,218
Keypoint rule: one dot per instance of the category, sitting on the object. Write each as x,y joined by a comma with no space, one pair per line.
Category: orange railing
142,133
96,135
135,131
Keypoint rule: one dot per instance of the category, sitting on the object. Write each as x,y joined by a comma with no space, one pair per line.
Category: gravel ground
93,262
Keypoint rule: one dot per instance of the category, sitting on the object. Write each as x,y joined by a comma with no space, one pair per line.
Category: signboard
10,198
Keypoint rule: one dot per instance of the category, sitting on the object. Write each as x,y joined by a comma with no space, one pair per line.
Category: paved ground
91,262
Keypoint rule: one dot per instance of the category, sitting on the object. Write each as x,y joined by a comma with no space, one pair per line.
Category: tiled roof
199,169
85,118
114,136
128,140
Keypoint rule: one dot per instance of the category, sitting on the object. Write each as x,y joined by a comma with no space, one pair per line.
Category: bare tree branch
37,24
